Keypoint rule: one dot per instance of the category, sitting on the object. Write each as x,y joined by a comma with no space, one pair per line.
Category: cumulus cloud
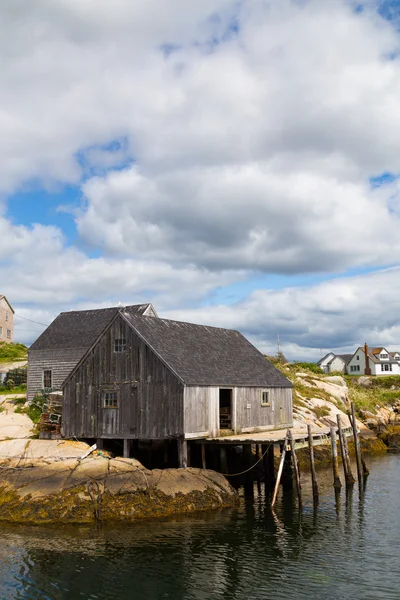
335,315
211,141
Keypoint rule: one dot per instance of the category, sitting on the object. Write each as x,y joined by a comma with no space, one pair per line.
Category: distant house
60,347
374,361
154,379
6,320
334,362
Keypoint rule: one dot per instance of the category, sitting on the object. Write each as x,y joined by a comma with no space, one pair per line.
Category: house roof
325,357
203,355
81,328
346,358
2,297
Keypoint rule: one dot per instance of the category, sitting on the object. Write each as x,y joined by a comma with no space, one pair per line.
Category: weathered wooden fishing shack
61,346
150,379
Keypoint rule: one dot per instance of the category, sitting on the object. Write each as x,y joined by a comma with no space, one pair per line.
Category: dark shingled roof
80,328
202,355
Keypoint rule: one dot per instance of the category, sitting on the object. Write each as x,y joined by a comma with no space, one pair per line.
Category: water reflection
342,548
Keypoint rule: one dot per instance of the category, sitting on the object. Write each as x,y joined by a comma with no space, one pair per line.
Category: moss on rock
125,492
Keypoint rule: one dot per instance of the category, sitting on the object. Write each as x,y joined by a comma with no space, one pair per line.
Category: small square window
110,399
265,401
120,345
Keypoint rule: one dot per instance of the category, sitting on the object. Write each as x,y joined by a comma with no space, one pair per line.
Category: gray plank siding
201,410
150,396
60,362
276,416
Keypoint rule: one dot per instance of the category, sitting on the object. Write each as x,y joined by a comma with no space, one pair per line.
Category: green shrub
307,366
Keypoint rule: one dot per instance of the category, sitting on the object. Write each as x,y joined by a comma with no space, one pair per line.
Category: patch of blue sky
99,159
382,179
389,9
33,204
239,291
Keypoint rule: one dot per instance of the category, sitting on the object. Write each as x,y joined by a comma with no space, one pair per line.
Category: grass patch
18,389
12,352
321,411
34,409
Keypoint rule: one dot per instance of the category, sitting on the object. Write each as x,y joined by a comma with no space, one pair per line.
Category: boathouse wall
149,398
249,413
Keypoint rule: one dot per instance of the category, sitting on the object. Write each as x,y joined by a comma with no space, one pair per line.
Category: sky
234,162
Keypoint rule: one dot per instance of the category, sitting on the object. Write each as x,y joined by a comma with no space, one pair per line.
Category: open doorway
225,408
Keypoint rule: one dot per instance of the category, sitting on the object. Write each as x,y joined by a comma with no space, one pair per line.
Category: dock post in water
356,442
296,468
348,475
312,466
337,484
279,475
349,471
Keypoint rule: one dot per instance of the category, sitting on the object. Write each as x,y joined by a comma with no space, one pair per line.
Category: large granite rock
36,487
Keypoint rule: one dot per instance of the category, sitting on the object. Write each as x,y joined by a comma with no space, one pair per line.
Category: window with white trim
386,367
110,399
9,334
6,316
1,332
265,399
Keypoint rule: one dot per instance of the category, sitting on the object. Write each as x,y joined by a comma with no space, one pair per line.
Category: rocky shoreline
98,488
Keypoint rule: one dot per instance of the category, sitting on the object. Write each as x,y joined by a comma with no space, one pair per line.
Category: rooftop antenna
279,346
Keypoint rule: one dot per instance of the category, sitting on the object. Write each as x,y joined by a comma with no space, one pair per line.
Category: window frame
47,387
268,394
106,400
120,345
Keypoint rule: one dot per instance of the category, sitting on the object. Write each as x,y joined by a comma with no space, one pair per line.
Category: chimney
367,367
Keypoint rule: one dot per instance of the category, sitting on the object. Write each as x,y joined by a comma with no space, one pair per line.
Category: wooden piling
312,466
223,460
203,456
356,442
127,448
348,461
348,475
182,453
337,484
280,469
296,468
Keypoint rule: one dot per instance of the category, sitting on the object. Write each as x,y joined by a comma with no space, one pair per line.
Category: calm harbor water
346,549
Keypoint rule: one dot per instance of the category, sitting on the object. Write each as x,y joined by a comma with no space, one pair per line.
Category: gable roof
81,328
321,360
2,297
203,355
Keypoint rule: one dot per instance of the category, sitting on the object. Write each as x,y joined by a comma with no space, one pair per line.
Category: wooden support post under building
356,442
280,469
223,461
312,466
296,468
182,453
127,448
203,456
337,484
348,475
